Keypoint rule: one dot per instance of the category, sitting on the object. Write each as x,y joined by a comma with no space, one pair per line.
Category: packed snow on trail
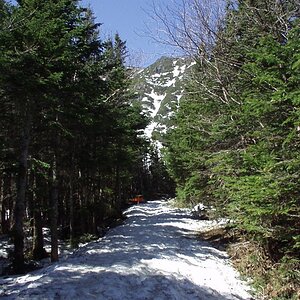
153,255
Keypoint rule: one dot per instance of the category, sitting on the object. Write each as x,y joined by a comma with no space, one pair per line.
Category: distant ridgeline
159,88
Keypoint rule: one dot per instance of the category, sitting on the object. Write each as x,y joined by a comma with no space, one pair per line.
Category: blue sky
128,18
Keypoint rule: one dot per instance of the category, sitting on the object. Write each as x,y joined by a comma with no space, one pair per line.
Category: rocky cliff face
159,88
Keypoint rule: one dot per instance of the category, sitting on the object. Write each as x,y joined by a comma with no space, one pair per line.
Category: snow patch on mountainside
157,99
171,82
149,129
160,88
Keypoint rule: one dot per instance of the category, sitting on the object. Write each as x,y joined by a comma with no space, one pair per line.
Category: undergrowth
276,281
271,280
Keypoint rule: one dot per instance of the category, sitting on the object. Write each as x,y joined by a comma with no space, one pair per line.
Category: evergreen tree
68,123
230,144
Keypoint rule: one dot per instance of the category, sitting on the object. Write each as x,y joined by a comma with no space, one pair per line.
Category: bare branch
196,28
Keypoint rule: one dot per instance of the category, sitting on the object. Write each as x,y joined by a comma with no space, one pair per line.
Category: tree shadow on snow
136,244
146,236
112,286
152,237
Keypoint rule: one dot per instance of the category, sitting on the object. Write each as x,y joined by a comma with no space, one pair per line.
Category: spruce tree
230,144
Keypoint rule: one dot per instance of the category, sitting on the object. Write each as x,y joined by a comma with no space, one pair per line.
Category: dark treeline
237,141
71,149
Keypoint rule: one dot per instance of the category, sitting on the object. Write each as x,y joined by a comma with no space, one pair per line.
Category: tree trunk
71,224
18,231
3,208
54,213
38,240
11,187
118,188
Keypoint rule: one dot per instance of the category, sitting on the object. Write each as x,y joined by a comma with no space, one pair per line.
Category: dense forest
72,150
237,137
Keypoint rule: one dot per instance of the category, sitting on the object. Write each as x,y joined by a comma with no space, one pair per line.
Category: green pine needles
236,144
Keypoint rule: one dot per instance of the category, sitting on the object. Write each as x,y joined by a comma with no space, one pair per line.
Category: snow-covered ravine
153,255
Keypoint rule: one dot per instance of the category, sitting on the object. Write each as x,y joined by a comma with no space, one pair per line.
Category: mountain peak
159,89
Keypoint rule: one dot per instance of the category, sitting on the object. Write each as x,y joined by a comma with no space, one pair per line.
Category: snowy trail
153,255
